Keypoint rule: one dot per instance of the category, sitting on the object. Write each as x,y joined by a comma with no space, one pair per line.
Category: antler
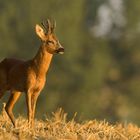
53,26
47,26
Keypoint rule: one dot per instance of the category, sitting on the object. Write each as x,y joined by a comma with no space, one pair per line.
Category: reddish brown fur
28,76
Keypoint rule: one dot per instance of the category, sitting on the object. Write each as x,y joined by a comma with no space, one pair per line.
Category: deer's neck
42,60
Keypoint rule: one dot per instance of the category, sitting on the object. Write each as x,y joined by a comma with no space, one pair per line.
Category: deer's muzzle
60,50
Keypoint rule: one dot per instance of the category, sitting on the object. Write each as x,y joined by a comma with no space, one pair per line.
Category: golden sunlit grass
58,128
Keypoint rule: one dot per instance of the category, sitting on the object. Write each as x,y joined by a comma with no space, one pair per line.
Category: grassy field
57,127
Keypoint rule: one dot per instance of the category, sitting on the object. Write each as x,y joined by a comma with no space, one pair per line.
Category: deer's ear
40,32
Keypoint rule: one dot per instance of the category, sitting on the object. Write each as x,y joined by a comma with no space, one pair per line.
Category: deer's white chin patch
61,52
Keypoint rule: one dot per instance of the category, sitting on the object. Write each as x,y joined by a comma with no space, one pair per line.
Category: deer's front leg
33,104
29,108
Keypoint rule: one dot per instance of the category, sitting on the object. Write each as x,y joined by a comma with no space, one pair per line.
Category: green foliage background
98,76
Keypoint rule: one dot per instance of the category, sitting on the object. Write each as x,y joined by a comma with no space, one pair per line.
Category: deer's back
8,63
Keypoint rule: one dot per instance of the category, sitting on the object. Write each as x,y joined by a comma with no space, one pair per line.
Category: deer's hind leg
2,90
3,82
10,104
1,93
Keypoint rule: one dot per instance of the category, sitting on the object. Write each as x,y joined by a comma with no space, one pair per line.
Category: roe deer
29,77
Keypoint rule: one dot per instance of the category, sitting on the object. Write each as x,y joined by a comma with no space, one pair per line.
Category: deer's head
48,37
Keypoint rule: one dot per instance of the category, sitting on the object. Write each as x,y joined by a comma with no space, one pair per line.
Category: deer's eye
50,42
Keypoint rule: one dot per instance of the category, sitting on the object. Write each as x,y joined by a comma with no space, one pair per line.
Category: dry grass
58,128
